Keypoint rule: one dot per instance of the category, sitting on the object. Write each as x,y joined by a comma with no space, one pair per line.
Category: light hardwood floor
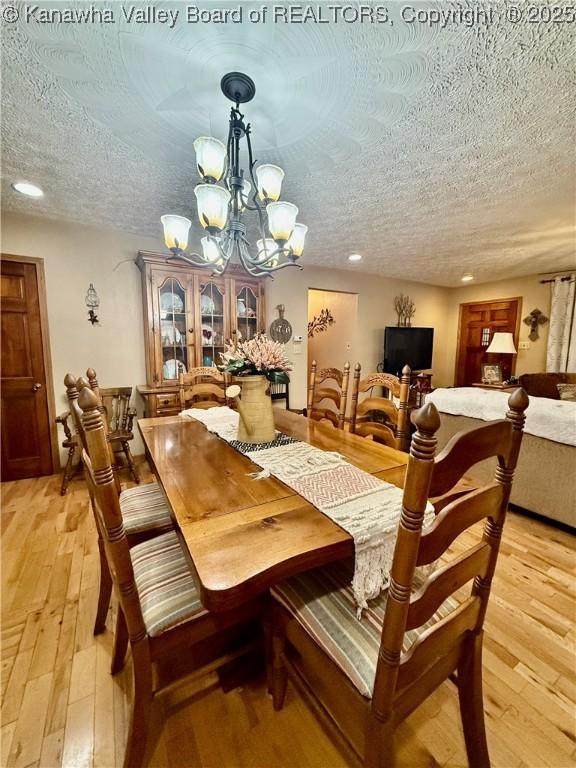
61,707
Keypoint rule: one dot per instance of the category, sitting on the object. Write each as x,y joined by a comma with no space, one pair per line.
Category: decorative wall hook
280,329
92,302
535,319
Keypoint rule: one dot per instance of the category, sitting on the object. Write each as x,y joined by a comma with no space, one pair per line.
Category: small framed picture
491,373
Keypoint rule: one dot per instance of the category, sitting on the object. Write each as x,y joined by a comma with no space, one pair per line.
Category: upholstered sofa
545,480
545,384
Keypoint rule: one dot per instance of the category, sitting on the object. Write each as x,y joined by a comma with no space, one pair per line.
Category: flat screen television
407,345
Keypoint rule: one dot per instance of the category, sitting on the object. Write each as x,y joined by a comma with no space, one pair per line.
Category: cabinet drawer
168,403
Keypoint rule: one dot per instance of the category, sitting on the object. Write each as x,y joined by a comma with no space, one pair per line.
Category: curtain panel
561,351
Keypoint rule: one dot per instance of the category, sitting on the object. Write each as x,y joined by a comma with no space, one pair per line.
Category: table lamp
502,344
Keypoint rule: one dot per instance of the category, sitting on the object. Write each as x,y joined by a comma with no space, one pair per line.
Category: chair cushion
567,392
167,590
144,507
323,603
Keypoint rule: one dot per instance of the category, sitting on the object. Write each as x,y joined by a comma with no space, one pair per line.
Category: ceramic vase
256,423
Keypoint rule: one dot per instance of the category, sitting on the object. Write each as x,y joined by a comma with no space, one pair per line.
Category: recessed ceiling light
26,188
355,257
467,278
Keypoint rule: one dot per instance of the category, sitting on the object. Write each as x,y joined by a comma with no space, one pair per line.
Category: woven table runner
363,505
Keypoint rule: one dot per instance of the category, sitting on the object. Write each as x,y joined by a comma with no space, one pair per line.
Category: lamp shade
502,344
176,230
212,205
210,250
281,219
210,157
265,248
269,179
296,242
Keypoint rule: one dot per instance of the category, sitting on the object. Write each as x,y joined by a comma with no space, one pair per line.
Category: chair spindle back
73,387
437,651
101,482
393,426
202,387
337,395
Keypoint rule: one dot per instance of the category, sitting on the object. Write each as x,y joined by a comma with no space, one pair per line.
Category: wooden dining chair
203,387
119,416
322,397
280,392
371,674
381,418
145,510
163,618
72,446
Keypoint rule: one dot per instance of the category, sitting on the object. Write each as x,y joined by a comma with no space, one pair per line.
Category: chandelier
221,206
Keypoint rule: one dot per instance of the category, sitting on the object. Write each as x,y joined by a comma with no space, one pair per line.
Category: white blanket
551,419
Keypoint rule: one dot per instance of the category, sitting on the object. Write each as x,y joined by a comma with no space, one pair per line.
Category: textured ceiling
432,151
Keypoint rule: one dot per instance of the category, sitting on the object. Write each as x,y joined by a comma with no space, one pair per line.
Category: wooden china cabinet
188,318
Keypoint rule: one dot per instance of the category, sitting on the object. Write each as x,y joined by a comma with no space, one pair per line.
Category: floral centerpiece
255,363
257,356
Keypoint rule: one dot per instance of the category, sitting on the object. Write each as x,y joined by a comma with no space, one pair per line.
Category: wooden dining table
243,534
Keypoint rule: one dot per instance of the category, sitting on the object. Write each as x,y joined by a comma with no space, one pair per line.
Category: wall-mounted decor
280,329
320,323
405,309
491,373
535,319
221,208
92,302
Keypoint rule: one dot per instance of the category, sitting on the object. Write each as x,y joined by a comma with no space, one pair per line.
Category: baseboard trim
543,519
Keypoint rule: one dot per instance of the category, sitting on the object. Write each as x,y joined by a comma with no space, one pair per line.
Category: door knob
36,387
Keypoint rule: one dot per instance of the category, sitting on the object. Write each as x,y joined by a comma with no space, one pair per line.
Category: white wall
75,256
375,312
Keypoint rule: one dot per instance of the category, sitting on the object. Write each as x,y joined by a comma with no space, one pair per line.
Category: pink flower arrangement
259,355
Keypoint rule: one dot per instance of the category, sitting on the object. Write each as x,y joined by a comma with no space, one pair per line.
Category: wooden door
478,323
25,412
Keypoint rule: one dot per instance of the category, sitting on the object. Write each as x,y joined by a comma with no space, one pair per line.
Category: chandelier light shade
281,220
176,230
210,158
212,206
502,344
296,242
270,178
265,248
228,193
210,250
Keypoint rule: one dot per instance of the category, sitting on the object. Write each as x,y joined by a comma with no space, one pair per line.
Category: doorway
332,328
29,439
479,321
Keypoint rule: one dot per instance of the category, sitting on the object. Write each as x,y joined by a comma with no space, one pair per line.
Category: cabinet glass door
246,311
212,332
172,302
